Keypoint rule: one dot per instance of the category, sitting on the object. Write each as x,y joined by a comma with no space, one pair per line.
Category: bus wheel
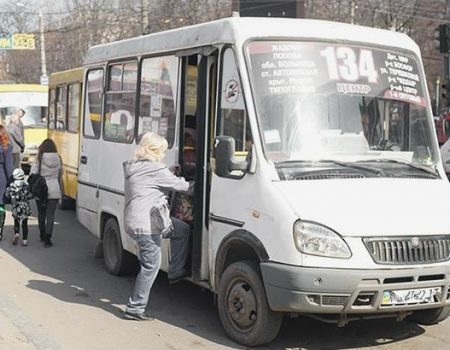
65,203
117,260
430,316
243,307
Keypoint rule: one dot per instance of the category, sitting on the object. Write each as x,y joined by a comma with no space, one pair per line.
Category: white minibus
319,187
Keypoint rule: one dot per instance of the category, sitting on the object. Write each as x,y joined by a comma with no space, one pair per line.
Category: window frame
106,92
52,89
176,94
86,91
80,94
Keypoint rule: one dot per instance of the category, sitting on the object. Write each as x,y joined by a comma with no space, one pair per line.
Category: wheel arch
104,216
238,245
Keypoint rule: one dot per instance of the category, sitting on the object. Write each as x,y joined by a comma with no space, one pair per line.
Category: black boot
48,241
2,222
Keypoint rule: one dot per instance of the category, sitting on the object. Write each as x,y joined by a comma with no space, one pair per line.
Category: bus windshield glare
328,101
35,116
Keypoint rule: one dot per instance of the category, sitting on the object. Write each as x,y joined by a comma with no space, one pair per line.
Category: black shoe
178,279
42,238
138,316
48,244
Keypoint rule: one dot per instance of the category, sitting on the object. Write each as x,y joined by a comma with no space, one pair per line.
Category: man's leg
150,260
178,249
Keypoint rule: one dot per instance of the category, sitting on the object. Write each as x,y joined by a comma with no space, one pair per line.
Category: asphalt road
62,298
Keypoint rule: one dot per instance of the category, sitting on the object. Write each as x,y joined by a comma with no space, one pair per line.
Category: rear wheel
117,260
243,307
430,316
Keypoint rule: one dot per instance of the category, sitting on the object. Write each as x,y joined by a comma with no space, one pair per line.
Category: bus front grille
409,250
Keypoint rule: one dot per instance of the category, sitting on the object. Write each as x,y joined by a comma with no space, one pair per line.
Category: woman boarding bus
315,156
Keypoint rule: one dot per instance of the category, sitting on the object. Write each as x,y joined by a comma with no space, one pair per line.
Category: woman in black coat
6,168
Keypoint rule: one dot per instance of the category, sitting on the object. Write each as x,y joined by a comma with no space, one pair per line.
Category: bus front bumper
340,291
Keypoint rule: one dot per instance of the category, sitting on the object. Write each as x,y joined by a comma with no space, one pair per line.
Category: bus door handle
83,159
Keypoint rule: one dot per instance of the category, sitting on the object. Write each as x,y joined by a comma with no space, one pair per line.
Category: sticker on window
272,136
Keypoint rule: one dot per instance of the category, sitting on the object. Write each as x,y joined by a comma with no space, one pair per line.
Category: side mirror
226,164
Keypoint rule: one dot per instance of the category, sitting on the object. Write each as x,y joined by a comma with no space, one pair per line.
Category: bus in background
33,99
63,127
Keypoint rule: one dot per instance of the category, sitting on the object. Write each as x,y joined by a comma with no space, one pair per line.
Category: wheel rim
112,246
241,305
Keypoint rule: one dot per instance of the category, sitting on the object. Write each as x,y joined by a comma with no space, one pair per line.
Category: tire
430,316
243,308
117,261
66,203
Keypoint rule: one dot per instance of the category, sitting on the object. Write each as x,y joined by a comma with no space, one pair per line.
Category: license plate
410,296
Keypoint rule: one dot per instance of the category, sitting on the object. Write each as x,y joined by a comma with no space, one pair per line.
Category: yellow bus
33,99
63,126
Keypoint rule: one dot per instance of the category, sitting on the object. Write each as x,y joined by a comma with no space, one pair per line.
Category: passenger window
121,103
74,107
51,109
61,104
159,84
232,119
93,104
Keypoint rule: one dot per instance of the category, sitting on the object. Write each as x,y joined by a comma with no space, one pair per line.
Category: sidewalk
11,337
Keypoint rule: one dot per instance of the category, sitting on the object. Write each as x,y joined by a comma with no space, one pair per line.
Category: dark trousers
46,217
24,223
16,160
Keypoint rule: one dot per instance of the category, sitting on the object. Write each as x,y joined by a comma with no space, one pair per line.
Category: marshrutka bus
315,165
63,127
33,99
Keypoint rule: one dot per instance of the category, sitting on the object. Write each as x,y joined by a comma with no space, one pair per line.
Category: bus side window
232,119
159,84
61,107
93,104
121,102
74,107
51,109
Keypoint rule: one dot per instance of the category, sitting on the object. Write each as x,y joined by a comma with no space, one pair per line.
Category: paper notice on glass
272,136
156,106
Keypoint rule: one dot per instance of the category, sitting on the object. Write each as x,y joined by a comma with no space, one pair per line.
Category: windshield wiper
403,162
372,170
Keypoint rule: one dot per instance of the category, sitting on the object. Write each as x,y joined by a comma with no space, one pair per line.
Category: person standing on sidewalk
6,168
147,219
17,136
21,210
48,164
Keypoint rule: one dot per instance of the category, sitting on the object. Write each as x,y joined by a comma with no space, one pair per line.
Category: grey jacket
51,170
16,136
146,187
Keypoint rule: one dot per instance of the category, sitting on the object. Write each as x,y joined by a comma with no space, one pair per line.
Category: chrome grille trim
400,250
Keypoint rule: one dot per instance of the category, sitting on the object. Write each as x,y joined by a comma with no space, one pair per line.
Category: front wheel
430,316
117,261
243,307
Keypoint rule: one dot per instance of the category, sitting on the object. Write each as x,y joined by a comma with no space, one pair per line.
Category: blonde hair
151,147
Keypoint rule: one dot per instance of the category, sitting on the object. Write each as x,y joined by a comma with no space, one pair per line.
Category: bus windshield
35,116
329,101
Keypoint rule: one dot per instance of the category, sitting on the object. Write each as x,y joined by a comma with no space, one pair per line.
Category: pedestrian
6,168
147,219
49,165
17,136
21,210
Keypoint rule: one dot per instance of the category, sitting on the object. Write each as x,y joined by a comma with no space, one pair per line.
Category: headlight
315,239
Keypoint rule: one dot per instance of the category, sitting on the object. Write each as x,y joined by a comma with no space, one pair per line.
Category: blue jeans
150,260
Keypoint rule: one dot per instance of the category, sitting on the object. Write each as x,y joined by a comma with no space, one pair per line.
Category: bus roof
23,88
66,76
236,30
